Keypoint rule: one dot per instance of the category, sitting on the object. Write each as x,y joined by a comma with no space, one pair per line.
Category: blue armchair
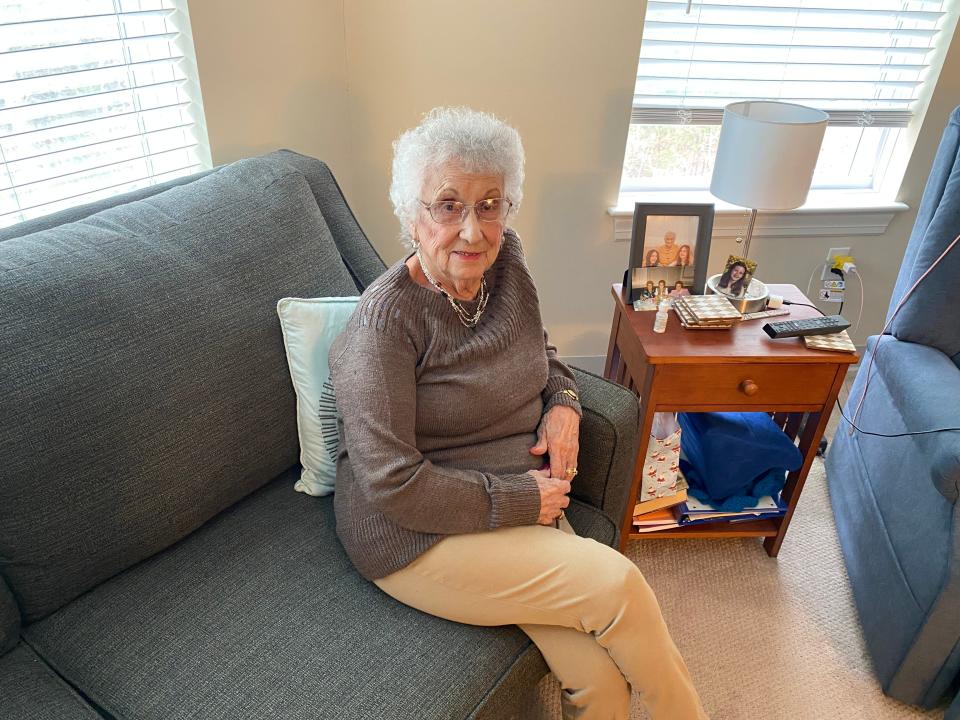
895,499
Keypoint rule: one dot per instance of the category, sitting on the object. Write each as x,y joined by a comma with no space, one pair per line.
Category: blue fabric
924,387
731,459
889,613
900,470
924,318
895,499
897,530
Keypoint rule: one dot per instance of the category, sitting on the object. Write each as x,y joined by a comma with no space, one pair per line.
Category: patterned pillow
309,328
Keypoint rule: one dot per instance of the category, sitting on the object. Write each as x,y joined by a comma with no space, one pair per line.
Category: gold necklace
466,318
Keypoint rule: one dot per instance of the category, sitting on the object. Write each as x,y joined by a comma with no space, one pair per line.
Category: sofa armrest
608,444
925,384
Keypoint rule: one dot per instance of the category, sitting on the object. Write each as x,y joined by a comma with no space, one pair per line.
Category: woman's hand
553,496
559,436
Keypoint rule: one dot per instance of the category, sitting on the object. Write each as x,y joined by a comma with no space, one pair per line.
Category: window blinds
96,98
862,61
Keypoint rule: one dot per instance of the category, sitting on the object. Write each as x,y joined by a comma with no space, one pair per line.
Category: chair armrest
608,444
924,384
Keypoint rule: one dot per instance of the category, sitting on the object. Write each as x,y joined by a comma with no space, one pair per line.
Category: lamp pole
750,224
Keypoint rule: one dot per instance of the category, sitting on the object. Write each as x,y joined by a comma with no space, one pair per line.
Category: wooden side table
741,369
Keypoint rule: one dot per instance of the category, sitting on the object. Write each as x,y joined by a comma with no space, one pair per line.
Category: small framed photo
669,247
653,284
736,277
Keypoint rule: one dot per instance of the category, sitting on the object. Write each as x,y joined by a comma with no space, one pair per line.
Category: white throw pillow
309,329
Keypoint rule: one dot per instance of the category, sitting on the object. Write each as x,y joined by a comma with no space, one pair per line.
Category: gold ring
571,471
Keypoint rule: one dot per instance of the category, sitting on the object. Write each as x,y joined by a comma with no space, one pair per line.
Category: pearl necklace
466,318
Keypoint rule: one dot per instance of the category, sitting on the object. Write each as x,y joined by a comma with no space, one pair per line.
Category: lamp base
754,300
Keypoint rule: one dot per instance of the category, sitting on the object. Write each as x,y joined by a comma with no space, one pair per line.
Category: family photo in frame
669,248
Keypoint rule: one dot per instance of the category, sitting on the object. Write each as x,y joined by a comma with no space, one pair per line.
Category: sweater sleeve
374,378
559,378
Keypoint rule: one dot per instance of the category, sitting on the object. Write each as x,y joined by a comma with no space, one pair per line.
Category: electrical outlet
832,255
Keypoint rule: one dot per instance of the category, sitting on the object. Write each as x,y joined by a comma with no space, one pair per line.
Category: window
862,61
97,97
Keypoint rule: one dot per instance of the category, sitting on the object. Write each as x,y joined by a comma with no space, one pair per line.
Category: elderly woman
459,436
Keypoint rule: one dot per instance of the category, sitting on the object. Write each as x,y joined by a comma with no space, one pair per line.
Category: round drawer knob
749,387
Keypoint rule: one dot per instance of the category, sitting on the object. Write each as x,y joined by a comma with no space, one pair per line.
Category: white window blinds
97,97
862,61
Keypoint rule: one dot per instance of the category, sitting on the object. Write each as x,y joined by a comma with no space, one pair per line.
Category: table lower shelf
750,528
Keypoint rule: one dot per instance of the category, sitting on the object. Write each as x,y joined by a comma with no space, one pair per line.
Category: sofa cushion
245,618
358,254
78,212
29,690
907,370
360,257
145,383
917,379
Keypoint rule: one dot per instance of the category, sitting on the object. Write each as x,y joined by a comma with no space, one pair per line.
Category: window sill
824,214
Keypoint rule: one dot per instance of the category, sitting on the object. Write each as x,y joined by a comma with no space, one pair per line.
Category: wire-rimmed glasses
454,212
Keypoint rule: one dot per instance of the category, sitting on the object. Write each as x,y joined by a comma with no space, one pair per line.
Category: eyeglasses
454,212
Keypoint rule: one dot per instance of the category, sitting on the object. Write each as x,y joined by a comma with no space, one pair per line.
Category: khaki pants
586,606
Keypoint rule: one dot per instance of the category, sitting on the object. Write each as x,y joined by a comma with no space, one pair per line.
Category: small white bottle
660,321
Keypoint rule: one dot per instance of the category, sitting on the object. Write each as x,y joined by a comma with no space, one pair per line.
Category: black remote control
814,326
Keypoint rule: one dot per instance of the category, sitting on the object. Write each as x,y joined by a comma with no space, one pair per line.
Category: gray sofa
895,500
155,561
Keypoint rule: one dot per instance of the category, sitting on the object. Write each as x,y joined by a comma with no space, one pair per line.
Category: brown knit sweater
438,419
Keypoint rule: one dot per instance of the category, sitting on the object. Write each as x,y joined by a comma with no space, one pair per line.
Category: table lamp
765,161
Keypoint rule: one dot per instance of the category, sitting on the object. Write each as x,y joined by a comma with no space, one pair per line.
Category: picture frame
737,273
670,242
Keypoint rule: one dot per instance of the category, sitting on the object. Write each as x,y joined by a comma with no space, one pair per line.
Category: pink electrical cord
866,383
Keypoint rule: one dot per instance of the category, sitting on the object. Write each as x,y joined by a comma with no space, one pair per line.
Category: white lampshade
767,153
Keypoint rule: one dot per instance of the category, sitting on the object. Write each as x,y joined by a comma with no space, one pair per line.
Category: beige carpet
764,638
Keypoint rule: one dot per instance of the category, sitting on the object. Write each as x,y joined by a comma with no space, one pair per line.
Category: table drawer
744,384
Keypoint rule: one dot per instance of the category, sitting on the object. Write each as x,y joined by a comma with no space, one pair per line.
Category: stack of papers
657,520
706,312
695,511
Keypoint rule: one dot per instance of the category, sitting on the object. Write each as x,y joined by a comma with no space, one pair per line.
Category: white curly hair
476,140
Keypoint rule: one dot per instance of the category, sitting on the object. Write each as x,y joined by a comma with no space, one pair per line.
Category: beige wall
273,75
340,80
562,73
